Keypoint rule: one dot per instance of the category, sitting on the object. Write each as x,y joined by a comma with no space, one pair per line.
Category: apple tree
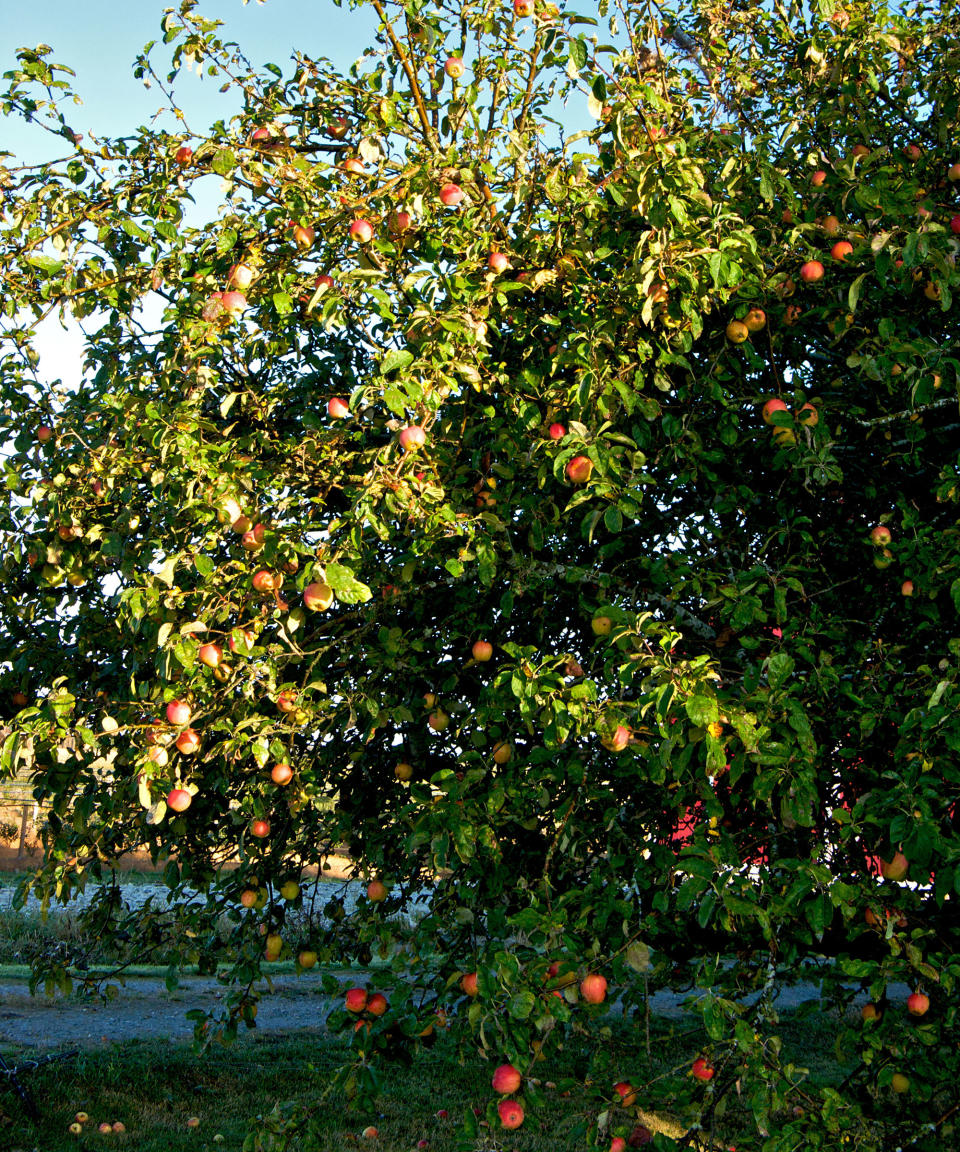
527,464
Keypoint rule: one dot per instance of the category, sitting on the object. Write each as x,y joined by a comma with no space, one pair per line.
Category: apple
178,712
194,1121
506,1079
578,469
755,320
412,437
247,640
618,1144
159,756
261,135
808,415
19,700
830,225
233,302
702,1069
913,152
811,271
482,651
454,67
955,225
556,431
498,262
895,869
303,235
900,1083
119,1126
931,290
841,250
318,597
601,625
338,409
619,740
468,984
439,721
287,700
354,166
906,588
376,891
819,178
241,523
355,1000
240,276
641,1135
860,150
870,1012
179,799
249,898
337,128
627,1093
183,155
451,195
361,231
593,988
737,332
370,1133
429,699
281,774
510,1112
880,536
400,221
403,771
953,173
105,1128
260,829
290,890
75,1128
81,1117
502,752
918,1004
307,958
253,538
378,1004
265,581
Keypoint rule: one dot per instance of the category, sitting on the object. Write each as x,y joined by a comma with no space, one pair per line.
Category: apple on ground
81,1117
194,1121
119,1126
105,1128
370,1133
510,1112
75,1128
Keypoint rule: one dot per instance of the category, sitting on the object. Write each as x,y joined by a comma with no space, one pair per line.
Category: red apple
370,1133
841,250
913,152
376,891
281,774
774,404
895,869
702,1069
578,469
627,1093
354,166
451,195
183,155
210,654
179,799
260,829
355,999
337,128
906,588
412,437
378,1004
482,651
510,1112
618,1144
593,988
178,712
955,225
265,581
454,67
338,409
240,276
439,721
468,984
233,302
819,178
556,431
619,740
318,597
44,433
880,536
830,225
498,262
811,271
400,222
506,1079
188,741
918,1004
287,700
253,538
808,415
303,235
361,231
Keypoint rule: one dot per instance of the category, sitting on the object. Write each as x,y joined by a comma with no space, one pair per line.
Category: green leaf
223,162
702,710
395,360
345,584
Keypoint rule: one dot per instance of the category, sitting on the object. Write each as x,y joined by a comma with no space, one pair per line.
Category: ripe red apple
506,1079
454,67
468,984
510,1112
179,799
303,235
819,178
412,437
870,1012
880,536
913,152
895,869
318,597
830,225
955,225
906,588
240,276
841,250
702,1069
619,740
482,651
105,1128
498,262
188,741
361,231
287,700
233,302
556,431
578,469
593,988
210,654
400,221
355,999
253,538
178,712
247,642
183,155
260,829
808,415
918,1004
337,128
378,1004
451,195
376,891
370,1133
281,774
44,433
265,581
627,1093
811,271
618,1144
337,408
354,166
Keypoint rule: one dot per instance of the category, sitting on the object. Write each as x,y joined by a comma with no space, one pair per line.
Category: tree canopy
561,522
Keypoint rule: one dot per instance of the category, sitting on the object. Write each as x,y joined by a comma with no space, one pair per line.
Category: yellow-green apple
506,1079
755,320
361,231
355,999
439,721
702,1069
896,868
281,774
378,1004
593,988
900,1083
376,891
75,1128
510,1112
601,625
318,597
178,712
429,699
307,958
482,651
451,195
158,755
337,408
811,271
210,654
454,67
403,771
737,332
502,752
918,1004
260,828
412,437
290,890
579,469
179,799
